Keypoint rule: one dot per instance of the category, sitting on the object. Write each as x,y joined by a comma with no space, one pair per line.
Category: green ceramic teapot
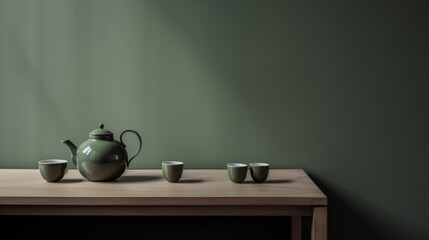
101,158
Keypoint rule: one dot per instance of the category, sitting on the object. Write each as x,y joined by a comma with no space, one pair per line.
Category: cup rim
259,164
172,163
236,165
52,161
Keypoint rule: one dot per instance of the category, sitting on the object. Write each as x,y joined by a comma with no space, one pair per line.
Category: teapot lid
101,132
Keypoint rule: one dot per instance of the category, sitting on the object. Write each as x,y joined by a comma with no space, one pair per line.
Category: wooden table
287,192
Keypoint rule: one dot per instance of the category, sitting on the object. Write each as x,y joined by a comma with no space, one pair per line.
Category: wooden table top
148,187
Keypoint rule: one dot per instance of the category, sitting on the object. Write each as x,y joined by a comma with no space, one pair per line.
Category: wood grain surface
148,187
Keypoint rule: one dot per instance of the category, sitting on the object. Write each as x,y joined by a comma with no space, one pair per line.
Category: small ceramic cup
53,170
172,170
259,171
237,172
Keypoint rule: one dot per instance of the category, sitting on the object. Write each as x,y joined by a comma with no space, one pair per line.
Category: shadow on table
273,181
130,179
71,180
191,181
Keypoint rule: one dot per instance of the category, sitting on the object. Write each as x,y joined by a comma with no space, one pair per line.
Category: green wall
338,88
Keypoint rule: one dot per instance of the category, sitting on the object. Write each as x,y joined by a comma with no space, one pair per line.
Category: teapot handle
140,148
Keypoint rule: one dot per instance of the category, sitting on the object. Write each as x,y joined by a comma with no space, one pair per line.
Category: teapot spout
72,148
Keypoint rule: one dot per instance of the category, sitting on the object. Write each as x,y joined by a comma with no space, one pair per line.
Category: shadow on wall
350,217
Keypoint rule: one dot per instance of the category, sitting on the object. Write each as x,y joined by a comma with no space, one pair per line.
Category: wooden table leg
319,225
296,228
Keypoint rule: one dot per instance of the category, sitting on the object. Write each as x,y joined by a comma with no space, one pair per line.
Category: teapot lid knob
101,133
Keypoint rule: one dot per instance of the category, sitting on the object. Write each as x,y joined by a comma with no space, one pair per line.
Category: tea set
101,158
